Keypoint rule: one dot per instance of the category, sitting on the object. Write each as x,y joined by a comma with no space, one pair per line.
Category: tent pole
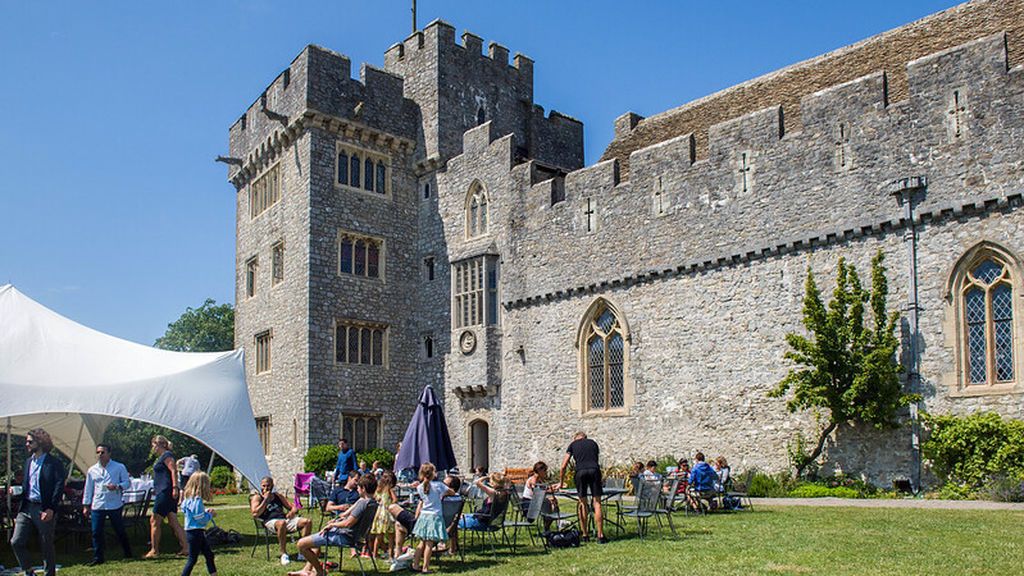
209,469
78,440
10,477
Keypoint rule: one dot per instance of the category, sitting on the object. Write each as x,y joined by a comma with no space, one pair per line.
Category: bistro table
607,493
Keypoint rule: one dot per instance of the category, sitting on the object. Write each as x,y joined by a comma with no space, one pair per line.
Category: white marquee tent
72,381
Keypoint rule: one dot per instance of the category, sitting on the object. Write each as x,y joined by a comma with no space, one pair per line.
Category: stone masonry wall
707,259
889,51
281,393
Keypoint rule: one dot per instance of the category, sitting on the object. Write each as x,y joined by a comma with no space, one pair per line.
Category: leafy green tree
846,366
129,443
209,328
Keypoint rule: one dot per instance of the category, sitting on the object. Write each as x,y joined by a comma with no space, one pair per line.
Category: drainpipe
905,190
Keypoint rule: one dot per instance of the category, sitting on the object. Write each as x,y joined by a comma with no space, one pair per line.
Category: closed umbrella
426,439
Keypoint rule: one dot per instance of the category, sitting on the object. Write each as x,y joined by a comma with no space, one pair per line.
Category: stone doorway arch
479,444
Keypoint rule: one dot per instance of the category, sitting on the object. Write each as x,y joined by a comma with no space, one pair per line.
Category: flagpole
414,16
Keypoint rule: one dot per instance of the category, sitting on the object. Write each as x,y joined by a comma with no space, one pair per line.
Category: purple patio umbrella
426,439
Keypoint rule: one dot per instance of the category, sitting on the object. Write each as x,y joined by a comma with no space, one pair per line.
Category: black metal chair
360,536
528,518
262,534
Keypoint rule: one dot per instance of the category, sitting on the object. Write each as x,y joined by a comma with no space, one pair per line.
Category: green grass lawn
796,540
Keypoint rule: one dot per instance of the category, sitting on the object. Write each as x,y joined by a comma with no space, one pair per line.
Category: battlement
891,52
763,180
320,80
439,36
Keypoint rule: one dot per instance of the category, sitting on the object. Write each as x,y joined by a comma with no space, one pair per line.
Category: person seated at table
721,467
703,478
651,471
683,474
337,532
539,477
493,488
277,514
345,496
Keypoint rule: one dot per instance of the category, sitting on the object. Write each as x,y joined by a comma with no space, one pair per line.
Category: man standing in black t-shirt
585,452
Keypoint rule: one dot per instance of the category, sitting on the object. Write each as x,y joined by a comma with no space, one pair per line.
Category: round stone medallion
467,342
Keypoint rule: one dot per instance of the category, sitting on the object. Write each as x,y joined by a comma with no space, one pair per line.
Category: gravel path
883,503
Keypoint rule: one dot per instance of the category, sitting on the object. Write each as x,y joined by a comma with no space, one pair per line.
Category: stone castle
428,223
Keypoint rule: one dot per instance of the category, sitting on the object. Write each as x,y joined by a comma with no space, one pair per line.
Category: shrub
764,486
862,488
969,450
664,463
1003,489
320,458
819,491
386,458
221,477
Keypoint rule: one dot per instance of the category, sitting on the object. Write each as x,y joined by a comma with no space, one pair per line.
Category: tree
847,367
129,444
209,328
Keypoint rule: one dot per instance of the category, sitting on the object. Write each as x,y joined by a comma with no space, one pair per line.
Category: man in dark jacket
41,491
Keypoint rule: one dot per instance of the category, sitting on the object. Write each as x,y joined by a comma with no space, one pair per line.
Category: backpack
563,538
217,536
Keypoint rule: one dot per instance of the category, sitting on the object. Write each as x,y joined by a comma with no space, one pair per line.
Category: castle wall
889,51
335,388
710,279
454,82
282,308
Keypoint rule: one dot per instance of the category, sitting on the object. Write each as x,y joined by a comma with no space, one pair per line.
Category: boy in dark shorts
585,453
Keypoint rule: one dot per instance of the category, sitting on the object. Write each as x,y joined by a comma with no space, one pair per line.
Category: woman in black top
165,497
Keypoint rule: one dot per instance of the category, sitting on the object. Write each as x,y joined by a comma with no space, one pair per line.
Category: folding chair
319,493
499,507
451,510
261,534
360,534
666,503
301,487
742,497
648,493
530,518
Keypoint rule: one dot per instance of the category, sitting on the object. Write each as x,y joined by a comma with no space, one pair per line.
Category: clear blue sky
112,211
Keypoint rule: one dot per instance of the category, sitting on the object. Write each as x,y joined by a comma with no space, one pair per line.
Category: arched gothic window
603,355
476,211
983,288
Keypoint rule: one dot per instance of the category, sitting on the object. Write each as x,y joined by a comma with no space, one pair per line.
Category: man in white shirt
105,481
189,465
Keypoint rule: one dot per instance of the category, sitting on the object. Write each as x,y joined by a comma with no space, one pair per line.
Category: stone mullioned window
358,342
362,430
252,267
984,283
360,255
277,263
263,430
362,170
263,348
604,360
265,191
475,292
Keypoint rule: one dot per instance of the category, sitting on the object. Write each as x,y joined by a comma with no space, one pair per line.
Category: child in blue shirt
196,519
